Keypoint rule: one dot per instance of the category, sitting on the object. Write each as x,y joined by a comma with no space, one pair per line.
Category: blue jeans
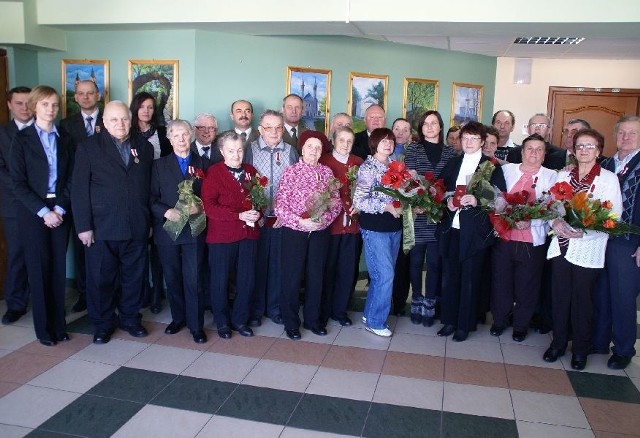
380,251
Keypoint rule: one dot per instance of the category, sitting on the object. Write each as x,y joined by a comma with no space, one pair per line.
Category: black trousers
342,258
153,293
109,263
303,253
400,281
266,298
180,265
79,268
16,290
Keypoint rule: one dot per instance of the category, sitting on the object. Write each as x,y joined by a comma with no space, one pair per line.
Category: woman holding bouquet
342,259
232,234
465,233
577,257
380,227
430,155
306,204
518,257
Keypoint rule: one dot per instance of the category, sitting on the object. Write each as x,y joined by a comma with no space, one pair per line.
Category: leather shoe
48,342
460,335
174,328
80,305
595,350
578,362
224,332
496,330
136,330
617,362
543,330
12,316
255,322
446,330
344,321
551,355
102,336
293,334
277,319
518,335
199,337
63,337
317,329
155,308
243,330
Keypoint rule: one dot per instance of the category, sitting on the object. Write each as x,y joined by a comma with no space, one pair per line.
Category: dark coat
75,125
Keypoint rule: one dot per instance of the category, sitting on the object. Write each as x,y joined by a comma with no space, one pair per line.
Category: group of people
256,214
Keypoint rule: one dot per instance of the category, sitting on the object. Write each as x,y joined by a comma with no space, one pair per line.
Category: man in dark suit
374,117
242,116
554,157
292,112
205,127
110,200
81,126
16,292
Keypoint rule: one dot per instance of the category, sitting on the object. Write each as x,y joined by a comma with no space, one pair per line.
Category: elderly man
270,155
292,111
110,200
402,130
569,131
242,116
205,127
374,117
618,286
339,120
16,292
554,157
504,121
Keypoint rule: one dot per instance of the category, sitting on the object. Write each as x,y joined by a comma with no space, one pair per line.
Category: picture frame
313,85
466,103
160,78
74,70
419,96
365,89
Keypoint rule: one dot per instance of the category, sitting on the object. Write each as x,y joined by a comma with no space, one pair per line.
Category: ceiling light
548,40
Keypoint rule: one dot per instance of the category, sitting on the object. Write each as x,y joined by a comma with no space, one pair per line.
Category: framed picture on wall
160,78
76,70
313,85
466,103
365,90
419,96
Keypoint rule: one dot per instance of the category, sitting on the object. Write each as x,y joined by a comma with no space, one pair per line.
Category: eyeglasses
538,125
469,139
206,128
278,128
588,146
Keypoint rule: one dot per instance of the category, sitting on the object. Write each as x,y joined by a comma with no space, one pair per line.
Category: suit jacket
108,197
75,125
632,165
7,197
165,177
361,145
214,153
30,169
287,137
554,157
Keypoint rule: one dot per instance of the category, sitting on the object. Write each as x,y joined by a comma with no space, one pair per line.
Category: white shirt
621,163
289,128
94,119
467,168
201,151
21,125
239,131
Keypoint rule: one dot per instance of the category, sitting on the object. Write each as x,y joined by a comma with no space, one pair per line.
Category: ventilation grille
548,40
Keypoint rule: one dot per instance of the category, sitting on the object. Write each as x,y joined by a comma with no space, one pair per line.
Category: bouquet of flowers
510,208
186,200
348,188
479,185
322,201
256,199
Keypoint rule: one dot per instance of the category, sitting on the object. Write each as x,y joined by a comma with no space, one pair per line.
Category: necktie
124,153
294,137
89,127
205,151
243,135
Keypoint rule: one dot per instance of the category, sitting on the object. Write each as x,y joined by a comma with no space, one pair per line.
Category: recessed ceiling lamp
548,40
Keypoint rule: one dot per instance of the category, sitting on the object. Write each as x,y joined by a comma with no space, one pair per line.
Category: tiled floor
349,383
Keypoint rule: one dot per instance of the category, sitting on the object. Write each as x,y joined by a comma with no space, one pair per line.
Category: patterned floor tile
260,404
354,359
414,365
389,421
330,414
132,384
612,416
615,388
159,422
304,353
18,367
537,379
462,426
474,372
191,394
548,408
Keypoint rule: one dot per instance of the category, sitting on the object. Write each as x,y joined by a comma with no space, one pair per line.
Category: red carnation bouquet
256,199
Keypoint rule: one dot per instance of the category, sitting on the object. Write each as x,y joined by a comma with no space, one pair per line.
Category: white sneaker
385,332
364,319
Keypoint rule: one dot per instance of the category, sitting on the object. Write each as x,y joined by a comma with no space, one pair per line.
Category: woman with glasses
577,257
464,235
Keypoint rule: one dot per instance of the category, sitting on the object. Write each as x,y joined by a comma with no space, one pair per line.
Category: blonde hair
39,93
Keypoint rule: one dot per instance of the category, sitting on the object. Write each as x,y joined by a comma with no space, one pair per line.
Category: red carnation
199,173
305,215
247,205
396,203
421,191
263,181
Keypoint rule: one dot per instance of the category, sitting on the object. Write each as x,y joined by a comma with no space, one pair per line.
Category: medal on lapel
278,158
134,152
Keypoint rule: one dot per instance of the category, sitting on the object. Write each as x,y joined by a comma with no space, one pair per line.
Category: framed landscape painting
160,78
314,87
420,95
466,103
365,90
76,70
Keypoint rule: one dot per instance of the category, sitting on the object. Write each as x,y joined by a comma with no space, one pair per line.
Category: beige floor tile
477,400
255,346
359,337
475,350
527,355
281,375
116,352
62,349
184,339
8,431
405,391
292,432
236,428
74,375
222,367
418,344
13,337
159,421
344,384
164,359
560,410
30,406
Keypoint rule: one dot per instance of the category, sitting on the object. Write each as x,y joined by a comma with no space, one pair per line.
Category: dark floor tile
260,404
192,394
132,384
389,421
473,426
604,387
92,416
81,325
330,414
36,433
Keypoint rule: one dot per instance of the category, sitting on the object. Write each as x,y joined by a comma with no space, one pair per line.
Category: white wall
526,100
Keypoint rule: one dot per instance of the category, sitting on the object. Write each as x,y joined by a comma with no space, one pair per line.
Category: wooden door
600,107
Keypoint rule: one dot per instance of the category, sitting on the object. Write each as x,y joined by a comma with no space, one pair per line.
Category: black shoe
243,330
595,350
460,335
12,316
255,322
427,321
174,328
48,342
155,308
80,305
446,330
136,330
102,336
416,318
518,335
496,330
317,329
543,330
63,337
293,334
224,332
199,337
551,355
617,362
344,321
277,319
578,362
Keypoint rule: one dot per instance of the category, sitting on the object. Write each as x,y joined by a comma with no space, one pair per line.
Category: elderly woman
430,155
181,257
380,226
577,257
342,259
305,234
491,144
465,235
40,167
517,262
232,235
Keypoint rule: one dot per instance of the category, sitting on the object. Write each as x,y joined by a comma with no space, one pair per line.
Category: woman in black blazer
41,164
